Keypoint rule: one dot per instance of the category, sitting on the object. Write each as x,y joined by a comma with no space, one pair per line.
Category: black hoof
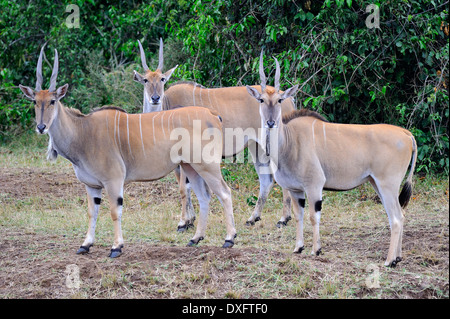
319,252
115,252
299,251
394,263
193,242
251,222
83,250
281,224
186,226
228,244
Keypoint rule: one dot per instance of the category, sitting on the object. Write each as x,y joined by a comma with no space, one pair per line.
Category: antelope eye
261,101
145,80
163,80
280,100
52,102
34,102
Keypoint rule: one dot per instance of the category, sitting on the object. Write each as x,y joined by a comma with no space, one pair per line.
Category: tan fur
233,104
270,90
314,155
153,82
109,148
238,110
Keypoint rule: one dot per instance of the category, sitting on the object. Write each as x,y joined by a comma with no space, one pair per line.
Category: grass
43,221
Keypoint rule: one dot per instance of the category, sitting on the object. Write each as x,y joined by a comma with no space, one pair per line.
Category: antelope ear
289,92
61,91
253,92
137,77
168,74
29,93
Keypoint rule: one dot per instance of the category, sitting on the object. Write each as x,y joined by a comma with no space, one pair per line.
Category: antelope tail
406,192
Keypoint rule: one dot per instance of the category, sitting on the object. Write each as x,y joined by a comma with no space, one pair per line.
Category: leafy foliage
397,73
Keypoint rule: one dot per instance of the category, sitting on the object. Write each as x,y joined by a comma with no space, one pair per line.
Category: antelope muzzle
41,128
271,124
155,99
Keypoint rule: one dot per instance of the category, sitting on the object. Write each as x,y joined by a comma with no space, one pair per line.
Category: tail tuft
405,195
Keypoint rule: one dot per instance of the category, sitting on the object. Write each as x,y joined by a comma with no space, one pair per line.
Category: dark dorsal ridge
188,82
302,113
108,108
77,112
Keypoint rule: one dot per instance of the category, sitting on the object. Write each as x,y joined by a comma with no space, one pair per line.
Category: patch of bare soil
39,265
36,266
32,182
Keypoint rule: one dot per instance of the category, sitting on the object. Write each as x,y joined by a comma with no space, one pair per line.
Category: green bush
395,74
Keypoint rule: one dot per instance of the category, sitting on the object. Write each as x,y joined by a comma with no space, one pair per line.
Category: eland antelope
312,154
240,121
109,148
153,82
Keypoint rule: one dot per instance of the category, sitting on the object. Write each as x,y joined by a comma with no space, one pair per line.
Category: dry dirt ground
42,264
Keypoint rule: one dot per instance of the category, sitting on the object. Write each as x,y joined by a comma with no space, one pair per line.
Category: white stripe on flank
107,126
142,139
324,134
210,103
168,123
173,124
338,135
215,98
115,117
153,126
162,124
128,135
200,95
314,140
118,134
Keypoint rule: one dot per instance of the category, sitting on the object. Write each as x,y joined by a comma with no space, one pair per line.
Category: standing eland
313,154
241,124
153,82
110,148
